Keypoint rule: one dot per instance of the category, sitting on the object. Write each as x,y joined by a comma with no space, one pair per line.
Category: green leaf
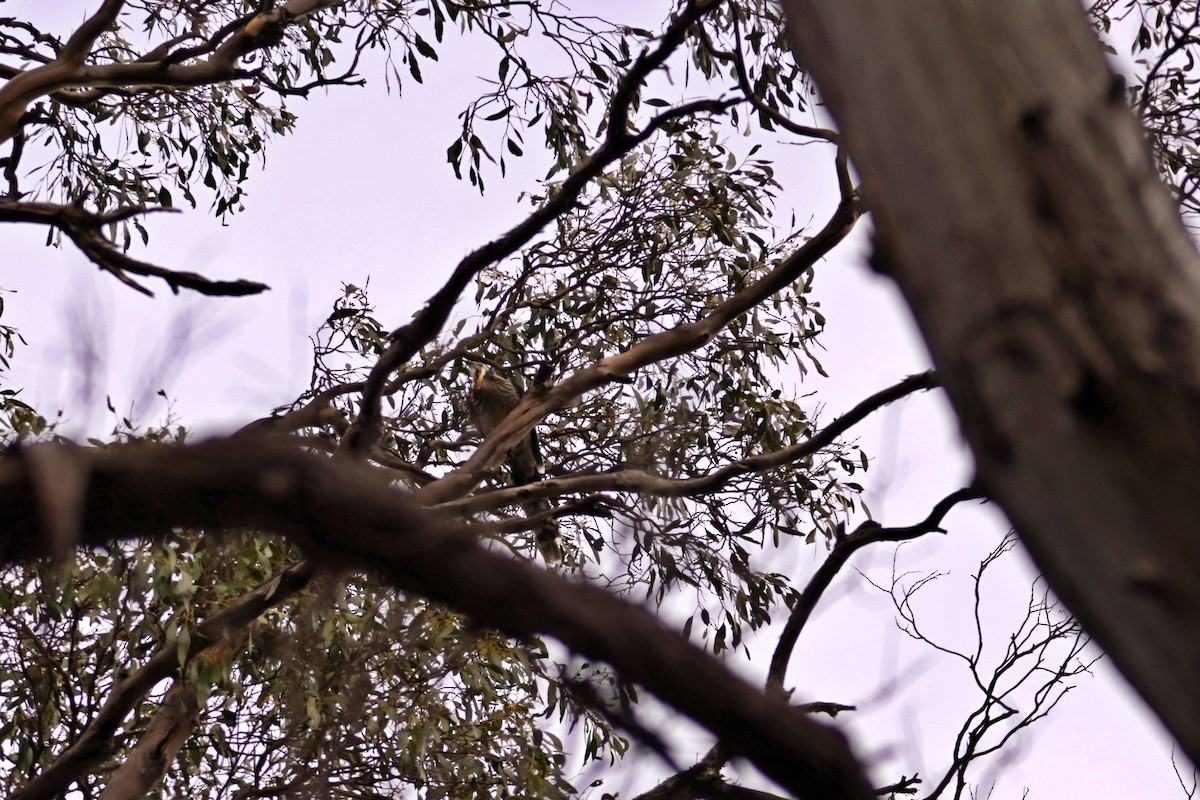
424,49
182,644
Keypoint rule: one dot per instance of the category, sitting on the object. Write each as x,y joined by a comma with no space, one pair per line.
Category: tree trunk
1017,207
171,726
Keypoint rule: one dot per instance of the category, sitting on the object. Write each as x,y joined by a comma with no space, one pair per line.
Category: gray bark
171,726
1017,207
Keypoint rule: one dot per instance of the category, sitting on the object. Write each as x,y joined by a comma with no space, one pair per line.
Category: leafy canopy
675,474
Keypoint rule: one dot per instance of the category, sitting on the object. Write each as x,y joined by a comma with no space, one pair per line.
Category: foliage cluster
676,483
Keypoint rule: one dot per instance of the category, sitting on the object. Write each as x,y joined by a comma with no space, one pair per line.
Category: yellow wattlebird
492,397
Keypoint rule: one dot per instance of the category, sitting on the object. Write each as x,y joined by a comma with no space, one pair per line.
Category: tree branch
1044,278
84,228
149,759
743,79
80,44
345,515
71,70
657,486
408,340
708,769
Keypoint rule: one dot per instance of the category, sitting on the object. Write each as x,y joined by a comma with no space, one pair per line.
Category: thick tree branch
149,759
682,785
80,44
645,483
1018,207
314,414
345,515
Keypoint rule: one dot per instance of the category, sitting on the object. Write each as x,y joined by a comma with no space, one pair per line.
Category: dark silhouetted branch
868,533
84,228
345,516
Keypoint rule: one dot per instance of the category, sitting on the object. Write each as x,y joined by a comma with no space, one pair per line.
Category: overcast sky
362,192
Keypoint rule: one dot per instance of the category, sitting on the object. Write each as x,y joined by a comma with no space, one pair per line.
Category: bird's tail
546,532
548,540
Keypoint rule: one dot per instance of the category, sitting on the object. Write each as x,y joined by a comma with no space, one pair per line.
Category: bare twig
1034,671
832,709
707,771
1188,791
905,785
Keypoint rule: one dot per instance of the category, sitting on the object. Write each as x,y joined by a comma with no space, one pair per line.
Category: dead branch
868,533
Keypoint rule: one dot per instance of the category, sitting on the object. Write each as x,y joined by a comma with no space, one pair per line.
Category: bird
492,398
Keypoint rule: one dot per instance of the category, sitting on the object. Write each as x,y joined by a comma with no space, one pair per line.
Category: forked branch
868,533
345,515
